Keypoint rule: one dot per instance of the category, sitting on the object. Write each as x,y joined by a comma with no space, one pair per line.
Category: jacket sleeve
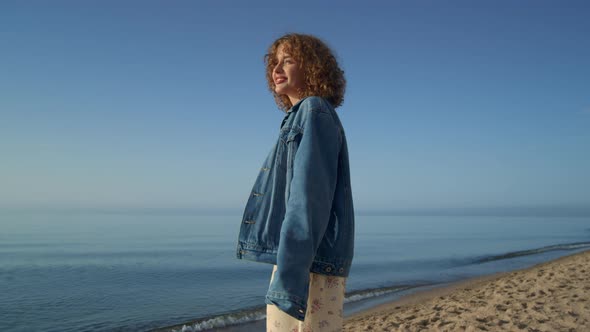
315,167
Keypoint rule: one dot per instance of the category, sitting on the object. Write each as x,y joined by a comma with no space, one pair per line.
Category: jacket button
300,310
328,269
341,270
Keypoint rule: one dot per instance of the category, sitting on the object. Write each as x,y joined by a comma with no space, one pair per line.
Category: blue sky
458,104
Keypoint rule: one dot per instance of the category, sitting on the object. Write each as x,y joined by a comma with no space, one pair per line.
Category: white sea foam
223,321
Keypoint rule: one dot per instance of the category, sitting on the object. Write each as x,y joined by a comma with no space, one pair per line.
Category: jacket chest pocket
288,143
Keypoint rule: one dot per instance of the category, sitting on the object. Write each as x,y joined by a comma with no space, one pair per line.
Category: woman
300,214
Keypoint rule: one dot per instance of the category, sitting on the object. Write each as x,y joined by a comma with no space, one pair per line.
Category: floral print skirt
324,307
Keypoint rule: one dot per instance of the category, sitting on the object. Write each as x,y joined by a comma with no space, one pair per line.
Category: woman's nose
278,68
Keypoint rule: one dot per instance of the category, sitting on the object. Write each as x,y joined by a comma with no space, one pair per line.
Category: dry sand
552,296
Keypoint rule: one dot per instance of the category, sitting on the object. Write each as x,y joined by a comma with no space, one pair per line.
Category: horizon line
562,210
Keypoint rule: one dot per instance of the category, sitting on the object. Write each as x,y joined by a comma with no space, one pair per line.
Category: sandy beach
552,296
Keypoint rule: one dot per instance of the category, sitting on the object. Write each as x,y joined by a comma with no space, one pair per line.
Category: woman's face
287,76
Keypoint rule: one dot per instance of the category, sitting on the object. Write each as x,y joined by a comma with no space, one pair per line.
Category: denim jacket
300,213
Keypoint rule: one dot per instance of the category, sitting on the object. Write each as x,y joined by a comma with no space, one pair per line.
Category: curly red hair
323,76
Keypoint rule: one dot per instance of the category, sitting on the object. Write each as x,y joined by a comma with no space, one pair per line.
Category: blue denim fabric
300,213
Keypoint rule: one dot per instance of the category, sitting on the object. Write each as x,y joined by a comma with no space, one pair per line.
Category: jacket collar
293,109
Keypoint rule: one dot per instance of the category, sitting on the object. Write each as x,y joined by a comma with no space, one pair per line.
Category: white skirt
324,307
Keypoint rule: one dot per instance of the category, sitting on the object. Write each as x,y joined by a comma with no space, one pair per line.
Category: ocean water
134,271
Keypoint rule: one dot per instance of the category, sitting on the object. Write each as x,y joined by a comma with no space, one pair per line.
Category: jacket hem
320,265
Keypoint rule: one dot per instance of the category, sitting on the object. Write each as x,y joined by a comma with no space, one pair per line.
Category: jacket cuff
290,307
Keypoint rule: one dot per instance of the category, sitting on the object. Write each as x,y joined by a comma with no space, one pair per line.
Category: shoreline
438,307
512,300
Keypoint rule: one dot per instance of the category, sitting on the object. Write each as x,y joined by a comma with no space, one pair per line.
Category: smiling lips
280,80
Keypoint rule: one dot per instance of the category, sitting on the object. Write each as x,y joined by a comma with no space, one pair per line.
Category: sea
135,270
